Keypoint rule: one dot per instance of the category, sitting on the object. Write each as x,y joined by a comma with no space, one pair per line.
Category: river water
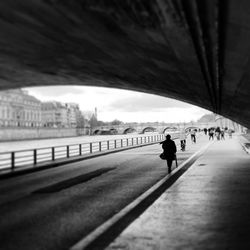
32,144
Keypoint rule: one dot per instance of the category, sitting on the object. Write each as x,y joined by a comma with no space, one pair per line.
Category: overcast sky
124,105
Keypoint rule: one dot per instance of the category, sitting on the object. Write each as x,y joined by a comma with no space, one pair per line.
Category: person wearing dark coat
169,150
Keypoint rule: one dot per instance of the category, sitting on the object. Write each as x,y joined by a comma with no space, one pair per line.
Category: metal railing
12,160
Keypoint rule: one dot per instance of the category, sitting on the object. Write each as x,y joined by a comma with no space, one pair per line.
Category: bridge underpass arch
97,132
216,85
169,129
148,129
111,131
226,97
129,130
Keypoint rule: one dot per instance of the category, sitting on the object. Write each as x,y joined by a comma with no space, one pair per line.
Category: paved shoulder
207,208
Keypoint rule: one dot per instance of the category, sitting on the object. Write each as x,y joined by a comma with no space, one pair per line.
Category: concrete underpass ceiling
194,51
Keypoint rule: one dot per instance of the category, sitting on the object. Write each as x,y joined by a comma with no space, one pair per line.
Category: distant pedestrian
182,137
205,131
193,135
169,151
230,133
211,134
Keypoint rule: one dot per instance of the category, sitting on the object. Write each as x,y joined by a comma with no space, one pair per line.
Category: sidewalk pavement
208,207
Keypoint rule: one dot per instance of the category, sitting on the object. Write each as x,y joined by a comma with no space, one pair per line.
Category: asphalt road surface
54,208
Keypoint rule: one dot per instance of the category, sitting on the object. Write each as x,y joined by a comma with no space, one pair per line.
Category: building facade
74,114
19,109
60,115
54,115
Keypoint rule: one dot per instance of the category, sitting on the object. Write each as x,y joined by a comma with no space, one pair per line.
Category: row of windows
5,123
15,115
59,125
26,116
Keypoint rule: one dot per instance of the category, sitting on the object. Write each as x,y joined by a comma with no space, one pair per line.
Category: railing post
115,143
35,156
12,160
121,143
100,146
53,153
80,149
141,140
90,148
132,141
137,142
107,145
127,141
67,151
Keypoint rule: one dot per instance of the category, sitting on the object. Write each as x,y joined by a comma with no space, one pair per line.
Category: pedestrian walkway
206,208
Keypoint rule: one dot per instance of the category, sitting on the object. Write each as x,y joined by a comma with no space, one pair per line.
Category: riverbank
16,134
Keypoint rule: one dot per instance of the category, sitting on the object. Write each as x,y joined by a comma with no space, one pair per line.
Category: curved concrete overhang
194,51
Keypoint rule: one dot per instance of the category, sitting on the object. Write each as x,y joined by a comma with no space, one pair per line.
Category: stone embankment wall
11,134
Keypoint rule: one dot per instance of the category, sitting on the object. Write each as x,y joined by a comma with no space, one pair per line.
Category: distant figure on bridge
182,137
169,151
205,131
193,135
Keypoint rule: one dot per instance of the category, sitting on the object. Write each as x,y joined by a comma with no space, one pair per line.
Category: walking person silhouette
169,150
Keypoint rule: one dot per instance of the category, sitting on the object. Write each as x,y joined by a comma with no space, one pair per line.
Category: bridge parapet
144,127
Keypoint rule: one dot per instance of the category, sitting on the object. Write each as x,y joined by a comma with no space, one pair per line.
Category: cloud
146,102
55,91
119,104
